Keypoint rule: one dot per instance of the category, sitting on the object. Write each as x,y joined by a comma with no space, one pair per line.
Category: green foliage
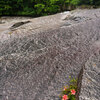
26,11
96,2
86,2
41,7
70,90
74,2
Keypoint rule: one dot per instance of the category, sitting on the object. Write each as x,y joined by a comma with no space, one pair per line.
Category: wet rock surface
36,64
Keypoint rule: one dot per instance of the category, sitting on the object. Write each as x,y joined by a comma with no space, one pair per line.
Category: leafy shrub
41,7
26,11
69,92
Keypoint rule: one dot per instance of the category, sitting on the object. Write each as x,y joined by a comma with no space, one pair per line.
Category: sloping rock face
36,65
90,85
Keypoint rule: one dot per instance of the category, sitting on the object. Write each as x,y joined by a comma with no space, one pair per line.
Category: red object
73,92
65,97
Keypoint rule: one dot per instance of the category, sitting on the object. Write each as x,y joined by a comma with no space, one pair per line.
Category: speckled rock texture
90,85
36,64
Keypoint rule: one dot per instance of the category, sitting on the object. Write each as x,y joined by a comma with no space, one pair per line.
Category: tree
41,7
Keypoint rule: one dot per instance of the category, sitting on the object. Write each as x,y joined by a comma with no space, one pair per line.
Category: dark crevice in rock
79,83
18,24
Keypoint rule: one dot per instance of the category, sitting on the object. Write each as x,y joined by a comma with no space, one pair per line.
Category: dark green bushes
41,7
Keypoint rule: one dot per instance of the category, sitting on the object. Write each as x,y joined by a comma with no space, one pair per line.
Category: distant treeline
41,7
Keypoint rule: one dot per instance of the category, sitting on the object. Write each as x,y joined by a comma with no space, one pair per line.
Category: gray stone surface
90,86
35,65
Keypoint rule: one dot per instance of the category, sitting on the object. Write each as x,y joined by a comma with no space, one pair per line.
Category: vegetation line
37,8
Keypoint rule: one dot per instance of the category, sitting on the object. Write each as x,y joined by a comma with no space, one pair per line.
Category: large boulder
90,83
35,65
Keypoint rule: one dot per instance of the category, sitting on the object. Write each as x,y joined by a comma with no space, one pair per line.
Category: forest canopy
41,7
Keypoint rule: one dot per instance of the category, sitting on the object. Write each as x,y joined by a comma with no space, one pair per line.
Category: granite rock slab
90,84
36,65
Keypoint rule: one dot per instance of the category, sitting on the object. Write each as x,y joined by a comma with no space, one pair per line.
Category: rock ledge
90,84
